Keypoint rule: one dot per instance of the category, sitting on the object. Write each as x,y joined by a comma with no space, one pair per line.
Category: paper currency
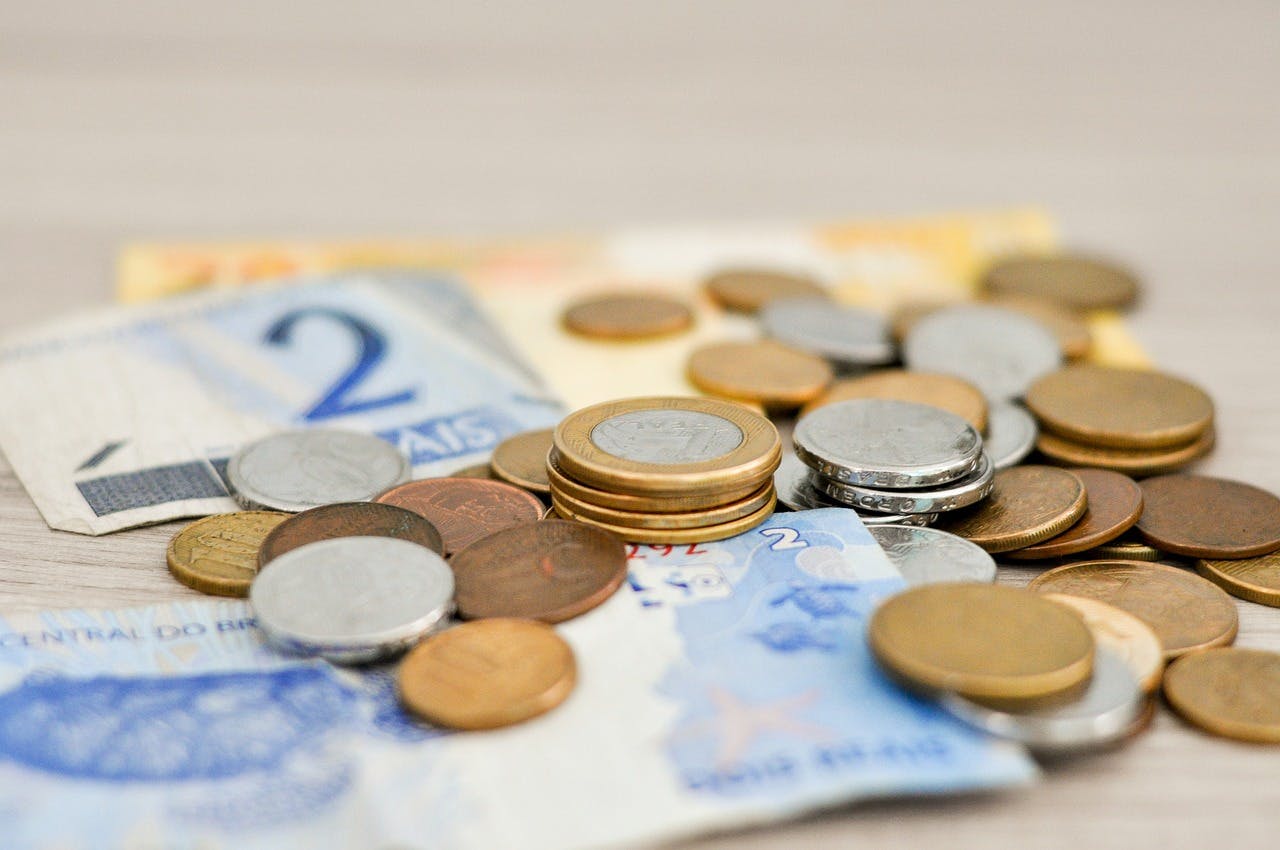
128,416
727,684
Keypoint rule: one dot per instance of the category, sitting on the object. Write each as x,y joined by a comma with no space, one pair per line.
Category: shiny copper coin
954,395
1204,517
1232,692
649,534
465,509
1255,579
1028,504
765,372
747,290
627,316
1114,503
349,519
482,471
726,512
676,503
219,554
1076,281
1136,462
1186,612
522,460
1132,640
487,674
550,570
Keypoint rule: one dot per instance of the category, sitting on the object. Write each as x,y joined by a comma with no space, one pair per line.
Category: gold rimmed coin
747,290
1138,462
522,460
1073,280
627,316
954,395
727,512
219,554
1232,692
1027,505
465,509
1132,640
766,372
701,534
349,519
1204,517
1114,503
1255,579
566,486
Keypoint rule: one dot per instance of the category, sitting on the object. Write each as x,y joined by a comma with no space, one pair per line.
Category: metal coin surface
844,335
966,491
1204,517
487,674
982,641
1232,692
1126,636
1011,435
668,520
795,492
929,556
295,470
219,554
887,444
627,316
765,372
482,471
1138,462
1255,579
348,519
465,509
566,486
1075,281
1126,547
1028,504
999,351
352,599
550,570
649,534
1114,504
1073,334
522,460
952,394
1185,611
1110,407
747,290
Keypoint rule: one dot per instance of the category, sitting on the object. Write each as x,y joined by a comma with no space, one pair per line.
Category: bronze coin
1137,462
562,484
482,471
1079,282
465,509
747,290
1204,517
348,519
1114,505
627,316
954,395
549,570
1186,612
1255,579
1028,504
219,554
765,372
522,460
1232,692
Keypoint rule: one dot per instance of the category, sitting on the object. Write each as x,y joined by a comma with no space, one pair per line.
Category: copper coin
487,674
1255,579
954,395
747,290
765,372
1204,517
1079,282
1114,505
1028,504
1230,692
1186,612
465,509
219,554
482,471
627,316
522,460
1137,462
549,570
349,519
1110,407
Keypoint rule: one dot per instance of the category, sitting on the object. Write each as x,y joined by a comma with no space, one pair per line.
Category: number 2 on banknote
784,538
371,348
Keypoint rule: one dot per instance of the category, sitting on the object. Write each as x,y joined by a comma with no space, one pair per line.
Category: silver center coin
930,556
667,436
1011,434
352,599
845,335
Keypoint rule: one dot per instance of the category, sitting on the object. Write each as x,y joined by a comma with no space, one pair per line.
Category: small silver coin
930,556
1011,434
667,436
352,599
296,470
795,492
847,336
997,350
887,444
974,487
1105,713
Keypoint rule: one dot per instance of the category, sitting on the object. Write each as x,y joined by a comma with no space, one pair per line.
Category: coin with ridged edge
1255,579
522,460
764,372
627,316
348,519
1124,548
563,484
1232,692
219,554
703,534
465,509
1028,504
952,394
1114,504
746,290
947,497
727,512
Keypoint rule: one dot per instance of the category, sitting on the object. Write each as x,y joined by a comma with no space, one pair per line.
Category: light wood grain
1149,128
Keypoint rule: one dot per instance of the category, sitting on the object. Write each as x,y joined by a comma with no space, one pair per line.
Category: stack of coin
665,469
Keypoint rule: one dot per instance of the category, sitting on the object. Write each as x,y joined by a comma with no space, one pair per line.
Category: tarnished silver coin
888,444
296,470
846,336
1011,434
1104,713
972,488
352,599
930,556
671,436
795,492
997,350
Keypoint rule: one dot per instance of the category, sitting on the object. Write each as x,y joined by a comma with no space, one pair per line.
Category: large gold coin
522,460
985,642
1028,504
1131,639
1136,462
766,372
627,316
650,534
952,394
1186,612
677,503
219,554
1231,692
1079,282
747,290
727,512
1255,579
487,674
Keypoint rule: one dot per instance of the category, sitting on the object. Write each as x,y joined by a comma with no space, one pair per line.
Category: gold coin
985,642
1186,612
953,395
1110,407
703,534
1130,638
1079,282
1232,692
1136,462
627,316
577,491
1123,550
1028,504
219,554
667,519
522,460
487,674
765,372
747,290
1255,579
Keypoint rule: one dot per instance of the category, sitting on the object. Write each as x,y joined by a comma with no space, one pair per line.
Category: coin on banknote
774,375
1203,517
352,599
952,394
465,509
1185,611
1255,579
1128,637
657,520
928,556
1076,281
848,336
296,470
951,496
349,519
1230,692
649,532
627,316
673,503
1138,462
1114,503
1028,504
747,290
522,460
1011,435
219,554
982,641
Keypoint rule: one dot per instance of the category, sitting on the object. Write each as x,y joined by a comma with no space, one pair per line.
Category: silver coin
1105,713
352,599
847,336
887,444
296,470
974,487
797,493
1011,434
997,350
930,556
667,436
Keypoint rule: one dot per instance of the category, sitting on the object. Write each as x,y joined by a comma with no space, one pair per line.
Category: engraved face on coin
1076,281
952,394
348,519
1204,517
747,290
1127,637
522,460
219,554
627,316
929,556
1231,692
296,470
465,510
1256,579
1011,435
1114,505
766,372
845,335
667,436
1027,505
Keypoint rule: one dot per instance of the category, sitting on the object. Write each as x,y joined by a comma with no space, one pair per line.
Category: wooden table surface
1150,129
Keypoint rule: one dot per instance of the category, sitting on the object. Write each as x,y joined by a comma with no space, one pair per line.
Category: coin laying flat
1028,504
219,554
957,494
1232,692
765,372
522,460
348,519
296,470
1070,328
1011,435
464,510
1255,579
929,556
952,394
1076,281
1114,505
747,290
1126,636
627,316
845,335
479,470
1138,462
1204,517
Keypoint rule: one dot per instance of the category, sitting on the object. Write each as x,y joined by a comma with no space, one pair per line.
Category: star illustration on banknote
738,724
